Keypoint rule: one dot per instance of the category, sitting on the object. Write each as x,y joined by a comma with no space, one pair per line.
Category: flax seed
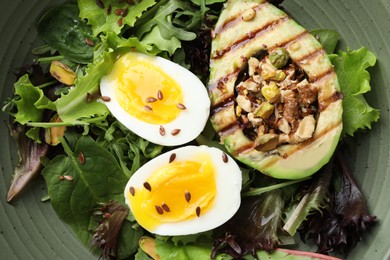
175,131
118,11
89,42
181,106
100,3
150,100
197,211
120,21
160,95
162,130
148,108
225,158
187,196
105,98
61,177
124,12
132,191
108,10
172,157
159,210
147,186
81,158
165,207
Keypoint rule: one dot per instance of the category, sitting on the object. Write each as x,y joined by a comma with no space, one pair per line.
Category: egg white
228,178
191,121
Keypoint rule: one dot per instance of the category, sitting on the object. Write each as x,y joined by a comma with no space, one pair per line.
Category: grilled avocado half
257,134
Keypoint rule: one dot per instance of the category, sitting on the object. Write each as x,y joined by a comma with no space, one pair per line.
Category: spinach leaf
78,187
61,29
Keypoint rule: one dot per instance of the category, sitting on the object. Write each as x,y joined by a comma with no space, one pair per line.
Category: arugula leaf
351,68
175,21
62,30
76,188
30,101
327,38
102,22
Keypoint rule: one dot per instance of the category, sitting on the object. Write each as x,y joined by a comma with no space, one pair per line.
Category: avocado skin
235,41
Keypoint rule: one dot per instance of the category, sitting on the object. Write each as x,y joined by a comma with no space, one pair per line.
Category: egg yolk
175,192
145,91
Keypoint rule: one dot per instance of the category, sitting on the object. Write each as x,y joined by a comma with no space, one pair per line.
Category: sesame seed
159,210
172,157
187,196
197,211
175,131
147,186
132,191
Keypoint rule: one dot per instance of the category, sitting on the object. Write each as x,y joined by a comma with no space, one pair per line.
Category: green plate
29,229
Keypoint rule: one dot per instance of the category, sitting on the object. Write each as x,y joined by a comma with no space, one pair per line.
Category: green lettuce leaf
327,38
102,22
30,101
75,105
351,68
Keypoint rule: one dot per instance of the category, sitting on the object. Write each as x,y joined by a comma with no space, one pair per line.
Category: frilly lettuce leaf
30,102
75,105
102,22
351,68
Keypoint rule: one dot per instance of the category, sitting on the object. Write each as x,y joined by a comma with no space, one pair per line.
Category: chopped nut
284,126
271,92
266,142
62,73
253,65
256,121
248,14
238,111
250,85
244,103
265,110
305,129
52,134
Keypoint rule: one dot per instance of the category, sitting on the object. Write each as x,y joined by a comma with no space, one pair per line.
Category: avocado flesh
236,39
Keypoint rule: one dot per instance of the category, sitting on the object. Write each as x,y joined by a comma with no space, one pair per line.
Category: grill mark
297,147
229,129
323,75
250,35
235,19
311,55
323,105
294,39
227,102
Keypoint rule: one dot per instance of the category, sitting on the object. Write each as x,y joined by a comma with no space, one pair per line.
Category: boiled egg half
156,99
185,191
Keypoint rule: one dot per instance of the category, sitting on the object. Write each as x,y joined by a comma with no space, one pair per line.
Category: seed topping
150,99
175,131
89,42
100,3
68,177
81,157
61,177
162,130
105,98
147,186
181,106
225,158
148,108
172,157
165,207
197,211
160,95
187,196
132,191
120,21
159,210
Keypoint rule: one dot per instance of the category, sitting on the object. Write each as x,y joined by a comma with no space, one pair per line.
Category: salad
64,119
